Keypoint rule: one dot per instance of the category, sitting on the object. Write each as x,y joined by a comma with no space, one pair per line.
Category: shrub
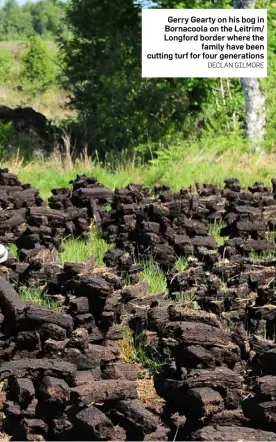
38,68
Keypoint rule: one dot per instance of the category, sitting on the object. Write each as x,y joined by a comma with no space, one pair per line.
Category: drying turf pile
213,336
62,371
167,225
26,221
209,376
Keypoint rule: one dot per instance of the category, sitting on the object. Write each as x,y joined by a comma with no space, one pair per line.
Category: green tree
44,18
119,110
103,67
231,104
15,23
38,69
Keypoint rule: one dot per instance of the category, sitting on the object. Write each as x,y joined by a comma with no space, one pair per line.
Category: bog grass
193,164
79,250
155,277
135,350
31,293
181,264
214,231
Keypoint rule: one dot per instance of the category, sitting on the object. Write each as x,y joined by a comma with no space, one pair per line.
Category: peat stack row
44,229
18,273
240,290
62,371
85,193
250,220
202,375
35,229
260,405
166,225
15,200
155,229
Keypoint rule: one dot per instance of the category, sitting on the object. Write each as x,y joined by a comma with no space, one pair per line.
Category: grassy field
194,164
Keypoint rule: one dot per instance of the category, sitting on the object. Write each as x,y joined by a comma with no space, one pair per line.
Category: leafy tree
14,21
226,103
47,17
103,67
38,69
44,18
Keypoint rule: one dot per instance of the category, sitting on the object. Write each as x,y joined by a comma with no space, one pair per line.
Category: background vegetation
44,18
79,63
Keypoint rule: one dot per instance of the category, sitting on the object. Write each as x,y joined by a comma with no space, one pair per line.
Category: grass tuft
13,250
181,264
79,250
214,231
126,346
145,384
32,293
154,276
134,349
266,254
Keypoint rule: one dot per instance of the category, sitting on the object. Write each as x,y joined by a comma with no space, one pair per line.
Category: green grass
154,277
135,349
32,293
12,250
181,264
210,160
265,254
79,250
187,299
214,231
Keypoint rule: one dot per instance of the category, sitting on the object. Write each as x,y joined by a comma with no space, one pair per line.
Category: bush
6,65
38,68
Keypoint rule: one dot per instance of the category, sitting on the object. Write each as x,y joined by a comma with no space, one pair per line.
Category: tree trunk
254,98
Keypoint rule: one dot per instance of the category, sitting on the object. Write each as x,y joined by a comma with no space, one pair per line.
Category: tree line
44,19
118,111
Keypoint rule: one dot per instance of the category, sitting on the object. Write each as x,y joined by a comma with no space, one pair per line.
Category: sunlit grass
155,278
79,250
32,293
12,250
214,231
209,160
134,349
181,264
